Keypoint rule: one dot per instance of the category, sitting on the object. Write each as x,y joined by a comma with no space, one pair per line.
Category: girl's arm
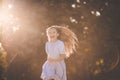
62,57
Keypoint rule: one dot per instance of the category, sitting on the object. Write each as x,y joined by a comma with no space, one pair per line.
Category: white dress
55,70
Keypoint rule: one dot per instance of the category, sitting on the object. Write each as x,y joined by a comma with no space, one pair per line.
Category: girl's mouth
51,36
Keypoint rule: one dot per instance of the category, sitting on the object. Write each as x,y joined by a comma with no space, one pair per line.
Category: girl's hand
62,57
50,59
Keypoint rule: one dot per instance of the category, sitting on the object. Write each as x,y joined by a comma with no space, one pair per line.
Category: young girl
61,43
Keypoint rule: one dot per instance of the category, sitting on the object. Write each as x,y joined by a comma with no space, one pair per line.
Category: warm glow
10,6
86,28
6,16
97,63
23,26
0,45
73,20
98,13
102,61
73,6
97,71
78,1
92,12
15,28
82,17
84,2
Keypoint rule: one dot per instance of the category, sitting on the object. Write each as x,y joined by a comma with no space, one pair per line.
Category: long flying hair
68,37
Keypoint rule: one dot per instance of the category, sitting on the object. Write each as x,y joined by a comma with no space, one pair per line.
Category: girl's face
52,34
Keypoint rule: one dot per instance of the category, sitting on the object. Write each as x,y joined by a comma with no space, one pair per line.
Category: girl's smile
52,36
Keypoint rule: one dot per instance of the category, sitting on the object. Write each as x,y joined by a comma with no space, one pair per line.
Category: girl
61,43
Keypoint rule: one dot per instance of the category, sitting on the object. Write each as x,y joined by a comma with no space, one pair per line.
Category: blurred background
22,37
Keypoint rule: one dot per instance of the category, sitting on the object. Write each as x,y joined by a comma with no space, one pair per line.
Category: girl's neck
53,41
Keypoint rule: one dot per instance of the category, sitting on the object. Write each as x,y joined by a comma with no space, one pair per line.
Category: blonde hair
68,37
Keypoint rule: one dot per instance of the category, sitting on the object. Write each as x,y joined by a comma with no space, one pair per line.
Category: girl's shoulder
60,42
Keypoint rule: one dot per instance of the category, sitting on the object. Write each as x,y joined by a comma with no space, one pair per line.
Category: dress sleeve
62,48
